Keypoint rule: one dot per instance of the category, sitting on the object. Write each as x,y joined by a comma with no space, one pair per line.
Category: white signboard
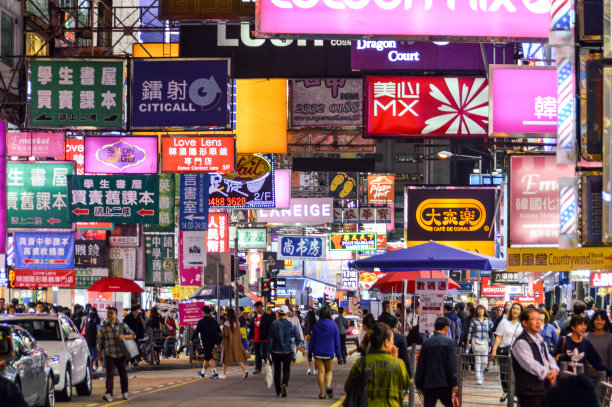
194,248
432,307
301,210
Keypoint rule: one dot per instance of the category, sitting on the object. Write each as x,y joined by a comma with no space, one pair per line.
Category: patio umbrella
209,292
115,285
393,281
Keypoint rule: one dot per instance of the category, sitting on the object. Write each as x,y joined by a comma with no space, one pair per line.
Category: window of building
7,39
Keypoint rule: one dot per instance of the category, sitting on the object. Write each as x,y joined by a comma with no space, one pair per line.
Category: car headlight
54,359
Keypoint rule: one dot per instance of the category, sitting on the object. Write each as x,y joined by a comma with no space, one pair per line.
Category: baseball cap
283,309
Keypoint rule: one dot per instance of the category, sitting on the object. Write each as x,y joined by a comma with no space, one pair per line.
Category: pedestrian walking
506,333
295,320
548,332
233,351
600,337
535,370
342,324
282,340
478,340
436,373
399,340
210,336
260,327
388,378
170,343
310,319
111,334
324,343
91,336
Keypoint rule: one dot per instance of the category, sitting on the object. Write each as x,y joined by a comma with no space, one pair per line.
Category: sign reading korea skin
426,106
121,155
544,259
449,213
180,93
326,102
35,144
352,241
77,93
523,100
302,210
199,154
381,189
44,250
529,19
534,199
301,248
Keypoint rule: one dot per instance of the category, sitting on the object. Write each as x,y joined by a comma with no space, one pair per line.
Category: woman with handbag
157,331
233,351
479,337
506,333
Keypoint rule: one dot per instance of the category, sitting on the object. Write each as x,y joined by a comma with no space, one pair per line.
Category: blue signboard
180,93
44,250
301,248
466,286
194,202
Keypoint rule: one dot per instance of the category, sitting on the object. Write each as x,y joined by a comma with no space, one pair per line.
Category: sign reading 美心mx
301,248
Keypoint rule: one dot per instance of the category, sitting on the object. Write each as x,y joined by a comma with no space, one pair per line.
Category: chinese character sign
86,277
352,241
122,262
167,197
90,253
37,195
427,106
43,278
35,144
114,198
121,155
252,238
301,248
170,93
160,261
194,202
350,278
381,189
218,233
44,250
77,93
199,154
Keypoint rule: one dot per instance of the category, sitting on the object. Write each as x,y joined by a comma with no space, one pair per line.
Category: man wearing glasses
535,370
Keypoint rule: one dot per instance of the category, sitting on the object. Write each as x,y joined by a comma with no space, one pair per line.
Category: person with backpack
379,378
454,331
210,336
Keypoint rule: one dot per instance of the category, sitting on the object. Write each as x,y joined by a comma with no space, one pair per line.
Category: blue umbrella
209,292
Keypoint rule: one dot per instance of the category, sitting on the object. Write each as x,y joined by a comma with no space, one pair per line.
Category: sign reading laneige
302,210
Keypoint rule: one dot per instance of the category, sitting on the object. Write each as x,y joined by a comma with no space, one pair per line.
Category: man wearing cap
282,338
210,336
260,325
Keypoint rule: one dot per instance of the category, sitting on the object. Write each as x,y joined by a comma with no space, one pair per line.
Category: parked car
26,364
67,350
354,326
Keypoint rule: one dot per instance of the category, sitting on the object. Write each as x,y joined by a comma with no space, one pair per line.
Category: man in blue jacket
282,340
436,373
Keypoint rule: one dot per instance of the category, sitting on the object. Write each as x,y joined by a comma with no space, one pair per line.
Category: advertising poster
381,189
534,199
167,195
326,102
343,185
301,248
350,278
44,250
37,195
426,106
89,253
75,152
86,277
44,278
431,292
159,259
77,93
194,202
121,155
352,241
218,233
29,144
193,246
189,276
190,313
199,154
122,262
180,93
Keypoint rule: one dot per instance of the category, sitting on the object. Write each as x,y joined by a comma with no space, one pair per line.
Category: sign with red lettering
218,233
199,154
75,151
426,106
44,278
601,279
381,188
492,291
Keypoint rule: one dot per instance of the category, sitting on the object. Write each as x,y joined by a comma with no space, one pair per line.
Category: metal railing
482,382
604,391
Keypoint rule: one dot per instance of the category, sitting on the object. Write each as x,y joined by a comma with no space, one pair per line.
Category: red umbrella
392,281
115,285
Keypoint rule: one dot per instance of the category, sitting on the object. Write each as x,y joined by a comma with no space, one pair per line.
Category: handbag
480,346
503,350
129,348
357,394
456,400
268,375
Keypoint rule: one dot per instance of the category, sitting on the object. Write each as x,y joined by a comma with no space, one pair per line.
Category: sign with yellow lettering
541,259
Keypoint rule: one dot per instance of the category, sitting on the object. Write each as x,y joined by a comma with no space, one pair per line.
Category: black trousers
111,364
260,349
444,394
283,359
343,346
532,401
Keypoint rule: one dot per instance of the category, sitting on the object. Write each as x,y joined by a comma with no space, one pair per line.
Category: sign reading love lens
121,155
418,18
199,154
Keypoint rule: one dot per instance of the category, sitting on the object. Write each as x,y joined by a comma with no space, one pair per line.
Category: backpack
455,329
357,394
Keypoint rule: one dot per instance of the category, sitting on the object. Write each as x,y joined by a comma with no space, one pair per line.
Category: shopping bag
268,373
129,349
456,401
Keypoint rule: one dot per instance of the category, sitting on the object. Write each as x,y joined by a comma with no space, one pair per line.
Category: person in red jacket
170,343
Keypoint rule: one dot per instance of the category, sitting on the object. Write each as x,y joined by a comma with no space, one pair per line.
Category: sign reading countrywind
410,18
121,155
301,248
76,93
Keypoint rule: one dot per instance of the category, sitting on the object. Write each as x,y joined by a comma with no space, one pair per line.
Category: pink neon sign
424,18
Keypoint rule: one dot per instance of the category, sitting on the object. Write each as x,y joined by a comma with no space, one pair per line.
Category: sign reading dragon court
544,259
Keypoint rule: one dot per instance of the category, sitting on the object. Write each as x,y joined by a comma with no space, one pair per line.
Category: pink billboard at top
467,19
522,100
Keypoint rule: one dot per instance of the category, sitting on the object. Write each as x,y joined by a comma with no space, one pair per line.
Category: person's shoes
344,361
245,375
309,372
222,376
321,396
256,371
486,369
201,374
107,397
126,395
330,393
278,394
214,376
503,398
283,390
479,382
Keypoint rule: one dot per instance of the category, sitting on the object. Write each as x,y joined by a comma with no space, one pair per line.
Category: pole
404,289
218,294
236,270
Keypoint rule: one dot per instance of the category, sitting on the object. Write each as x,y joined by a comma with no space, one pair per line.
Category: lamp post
444,155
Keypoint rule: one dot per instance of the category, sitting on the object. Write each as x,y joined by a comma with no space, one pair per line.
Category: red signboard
534,199
199,154
381,188
44,278
75,151
427,106
217,237
525,299
492,291
601,279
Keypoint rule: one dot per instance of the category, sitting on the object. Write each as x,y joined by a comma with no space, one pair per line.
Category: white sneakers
107,397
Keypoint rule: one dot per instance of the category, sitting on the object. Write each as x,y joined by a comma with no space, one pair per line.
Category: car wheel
50,396
66,393
84,388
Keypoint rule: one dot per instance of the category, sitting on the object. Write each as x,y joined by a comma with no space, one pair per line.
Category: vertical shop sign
188,275
90,253
122,262
77,93
350,278
44,250
193,246
166,205
381,189
37,195
75,151
218,233
160,261
194,202
35,144
592,208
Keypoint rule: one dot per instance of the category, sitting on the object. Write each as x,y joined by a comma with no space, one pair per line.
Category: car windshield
352,322
40,329
5,346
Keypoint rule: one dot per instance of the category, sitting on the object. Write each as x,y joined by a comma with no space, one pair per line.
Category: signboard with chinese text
77,93
431,292
592,207
381,189
363,215
114,198
29,144
250,186
44,278
37,195
121,155
89,253
122,262
252,238
199,154
504,278
167,197
490,290
196,10
302,210
352,241
523,99
194,202
534,199
544,259
190,313
601,279
180,93
86,277
350,278
218,233
426,106
188,275
431,286
301,248
159,258
44,250
326,102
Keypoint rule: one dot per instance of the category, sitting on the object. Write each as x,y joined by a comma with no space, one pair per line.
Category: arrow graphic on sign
81,211
59,261
28,261
53,221
146,212
192,217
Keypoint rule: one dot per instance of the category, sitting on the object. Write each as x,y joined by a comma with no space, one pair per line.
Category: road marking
150,388
154,391
339,402
92,404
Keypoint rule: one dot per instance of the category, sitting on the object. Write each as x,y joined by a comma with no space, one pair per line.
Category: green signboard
76,93
352,241
37,195
166,206
252,238
86,277
114,198
159,259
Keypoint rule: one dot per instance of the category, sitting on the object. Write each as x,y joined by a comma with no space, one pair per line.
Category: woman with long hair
154,330
324,343
233,351
309,322
506,333
478,340
367,323
91,335
600,337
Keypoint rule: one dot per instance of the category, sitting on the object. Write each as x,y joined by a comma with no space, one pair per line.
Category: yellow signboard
183,292
542,259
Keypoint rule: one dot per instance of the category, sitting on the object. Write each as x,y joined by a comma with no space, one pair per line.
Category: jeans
261,351
444,394
119,363
343,346
93,351
481,363
169,348
283,359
